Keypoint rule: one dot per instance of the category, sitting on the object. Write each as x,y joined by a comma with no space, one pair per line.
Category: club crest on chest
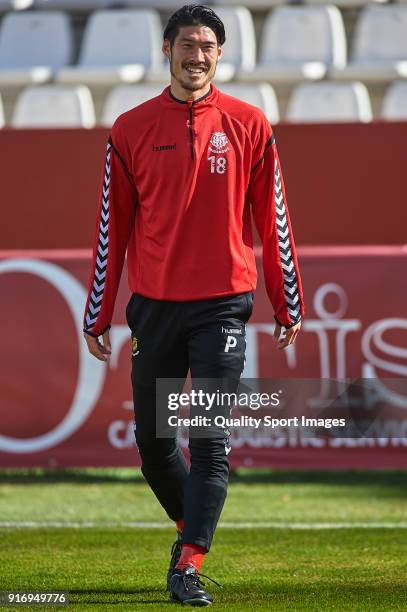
218,143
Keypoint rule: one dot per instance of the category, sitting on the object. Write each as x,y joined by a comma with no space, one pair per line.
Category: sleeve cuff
287,326
86,331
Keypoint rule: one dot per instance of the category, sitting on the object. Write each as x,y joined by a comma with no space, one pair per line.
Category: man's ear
219,52
167,48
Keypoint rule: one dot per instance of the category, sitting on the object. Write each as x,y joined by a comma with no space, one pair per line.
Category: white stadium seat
299,43
329,102
15,5
239,51
33,46
380,46
54,106
395,102
118,47
261,95
125,97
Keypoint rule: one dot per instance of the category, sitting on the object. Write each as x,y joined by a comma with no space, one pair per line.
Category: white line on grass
223,525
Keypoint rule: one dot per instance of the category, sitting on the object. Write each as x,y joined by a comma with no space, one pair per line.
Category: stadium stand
125,97
299,43
329,102
48,45
119,46
395,102
87,43
74,5
380,46
261,95
54,106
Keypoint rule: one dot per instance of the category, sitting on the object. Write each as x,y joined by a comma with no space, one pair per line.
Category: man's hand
290,335
96,348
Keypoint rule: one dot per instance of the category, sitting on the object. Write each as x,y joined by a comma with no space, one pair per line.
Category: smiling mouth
195,70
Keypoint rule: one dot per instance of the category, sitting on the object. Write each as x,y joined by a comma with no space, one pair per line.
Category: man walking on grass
184,173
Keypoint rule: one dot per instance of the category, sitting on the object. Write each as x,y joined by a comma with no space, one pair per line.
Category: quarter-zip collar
168,100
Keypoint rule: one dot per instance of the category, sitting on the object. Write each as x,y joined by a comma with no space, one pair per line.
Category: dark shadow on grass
136,592
381,478
48,476
356,590
155,602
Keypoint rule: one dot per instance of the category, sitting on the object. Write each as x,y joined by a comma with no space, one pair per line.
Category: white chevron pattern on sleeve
287,262
99,278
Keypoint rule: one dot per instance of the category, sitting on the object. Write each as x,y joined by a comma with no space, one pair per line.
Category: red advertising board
61,407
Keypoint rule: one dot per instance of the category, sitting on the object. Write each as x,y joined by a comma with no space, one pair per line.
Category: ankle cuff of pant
196,542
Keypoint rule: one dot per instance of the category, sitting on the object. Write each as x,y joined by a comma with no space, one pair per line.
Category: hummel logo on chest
170,147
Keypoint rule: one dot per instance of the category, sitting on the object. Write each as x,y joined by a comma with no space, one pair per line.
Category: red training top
180,183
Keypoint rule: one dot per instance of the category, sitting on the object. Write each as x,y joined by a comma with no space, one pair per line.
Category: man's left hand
290,335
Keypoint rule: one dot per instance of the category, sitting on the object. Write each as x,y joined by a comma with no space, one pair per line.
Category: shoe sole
192,602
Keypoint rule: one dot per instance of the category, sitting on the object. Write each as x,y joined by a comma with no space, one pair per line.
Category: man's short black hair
194,14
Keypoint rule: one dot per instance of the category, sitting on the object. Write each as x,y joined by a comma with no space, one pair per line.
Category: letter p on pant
231,342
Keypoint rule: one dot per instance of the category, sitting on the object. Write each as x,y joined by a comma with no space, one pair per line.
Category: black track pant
208,338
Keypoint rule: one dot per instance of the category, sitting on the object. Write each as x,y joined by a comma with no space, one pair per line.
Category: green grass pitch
287,541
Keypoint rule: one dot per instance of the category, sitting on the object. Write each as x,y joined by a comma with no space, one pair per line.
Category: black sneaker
175,555
186,588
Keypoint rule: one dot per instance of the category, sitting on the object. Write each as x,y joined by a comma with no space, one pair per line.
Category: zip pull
191,128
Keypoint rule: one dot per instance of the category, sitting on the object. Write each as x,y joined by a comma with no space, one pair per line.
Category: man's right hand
95,346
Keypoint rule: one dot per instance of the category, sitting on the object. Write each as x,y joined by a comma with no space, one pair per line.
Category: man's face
193,56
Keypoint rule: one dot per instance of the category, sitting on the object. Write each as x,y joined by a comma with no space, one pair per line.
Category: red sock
180,525
191,555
